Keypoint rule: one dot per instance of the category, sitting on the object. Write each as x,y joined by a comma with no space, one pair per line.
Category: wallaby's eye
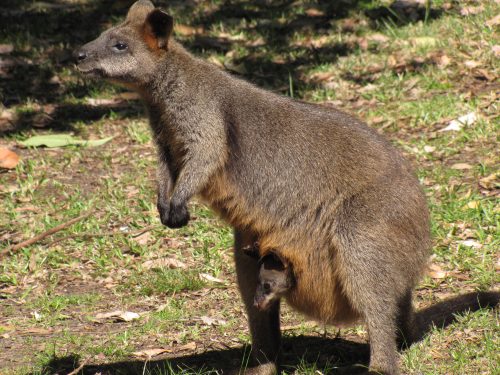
267,287
120,46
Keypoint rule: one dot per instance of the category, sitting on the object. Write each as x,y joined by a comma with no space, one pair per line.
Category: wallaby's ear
139,11
158,28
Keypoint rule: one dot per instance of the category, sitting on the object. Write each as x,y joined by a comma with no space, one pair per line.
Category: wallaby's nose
81,55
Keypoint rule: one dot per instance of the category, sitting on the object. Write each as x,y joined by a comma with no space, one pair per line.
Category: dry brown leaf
379,38
436,272
212,321
173,243
495,21
490,182
314,12
443,60
483,73
124,316
186,30
103,102
210,278
6,48
471,205
496,50
129,95
471,64
150,353
188,346
143,238
461,166
170,263
468,11
321,76
37,331
8,159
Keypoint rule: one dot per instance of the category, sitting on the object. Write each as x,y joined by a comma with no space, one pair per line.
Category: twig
77,370
41,236
134,233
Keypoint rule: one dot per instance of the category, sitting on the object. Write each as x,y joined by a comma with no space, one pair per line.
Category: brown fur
330,194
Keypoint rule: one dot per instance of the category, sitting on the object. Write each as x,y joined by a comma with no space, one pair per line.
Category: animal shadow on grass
337,356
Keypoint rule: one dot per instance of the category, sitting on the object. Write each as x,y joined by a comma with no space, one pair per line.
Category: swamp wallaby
332,195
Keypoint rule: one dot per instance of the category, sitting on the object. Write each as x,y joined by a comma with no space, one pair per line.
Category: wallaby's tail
443,313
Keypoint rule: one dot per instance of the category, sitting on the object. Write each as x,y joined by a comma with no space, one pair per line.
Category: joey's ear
139,11
158,28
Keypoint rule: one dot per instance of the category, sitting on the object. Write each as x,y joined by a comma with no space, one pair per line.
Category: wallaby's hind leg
375,295
264,325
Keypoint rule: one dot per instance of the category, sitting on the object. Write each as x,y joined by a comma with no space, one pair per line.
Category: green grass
406,79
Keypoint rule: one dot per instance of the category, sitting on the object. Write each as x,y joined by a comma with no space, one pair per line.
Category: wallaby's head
276,278
128,53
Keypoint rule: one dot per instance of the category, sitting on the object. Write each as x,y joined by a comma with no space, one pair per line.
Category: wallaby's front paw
178,215
163,210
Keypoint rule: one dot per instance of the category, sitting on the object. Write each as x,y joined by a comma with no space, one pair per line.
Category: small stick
77,370
134,233
41,236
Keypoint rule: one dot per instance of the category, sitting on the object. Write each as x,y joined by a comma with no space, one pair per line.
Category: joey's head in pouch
128,53
275,281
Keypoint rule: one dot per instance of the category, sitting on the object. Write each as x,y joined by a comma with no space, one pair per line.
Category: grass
408,79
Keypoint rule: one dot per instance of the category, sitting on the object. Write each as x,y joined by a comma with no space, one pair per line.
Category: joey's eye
267,287
120,46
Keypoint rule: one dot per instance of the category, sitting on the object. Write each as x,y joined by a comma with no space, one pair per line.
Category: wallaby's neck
176,83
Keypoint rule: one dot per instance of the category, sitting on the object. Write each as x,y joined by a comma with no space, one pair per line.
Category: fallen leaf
471,243
429,148
468,11
103,102
123,316
379,38
496,50
471,64
495,21
443,60
61,140
424,41
142,239
490,182
322,76
37,331
129,95
150,353
173,243
314,12
460,122
436,272
483,73
170,263
6,48
461,166
212,321
207,277
185,30
189,346
8,159
471,205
